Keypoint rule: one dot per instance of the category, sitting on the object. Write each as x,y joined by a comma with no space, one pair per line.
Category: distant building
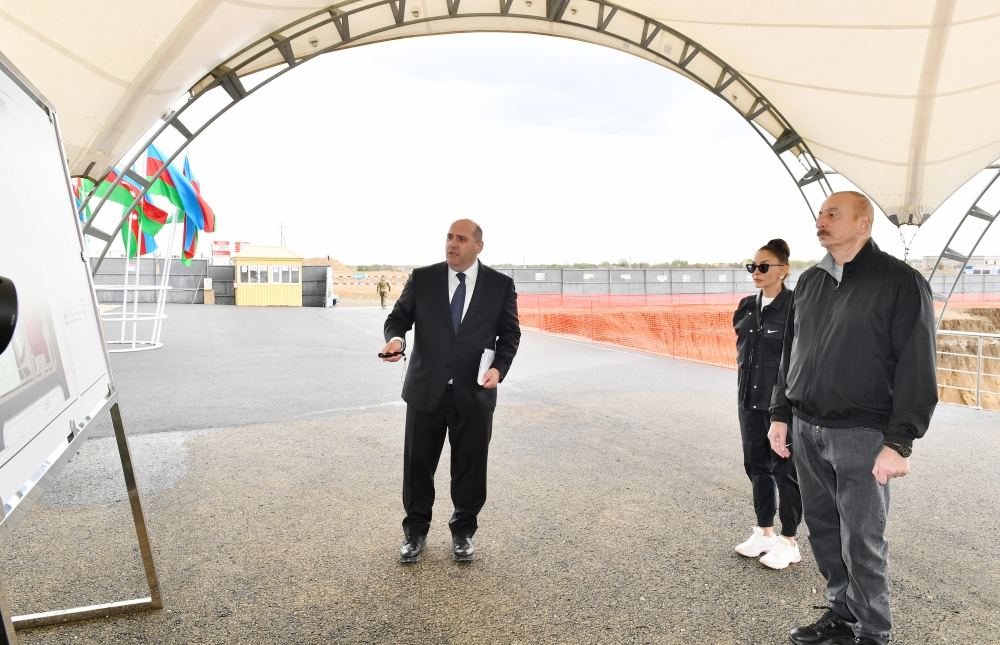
975,262
268,276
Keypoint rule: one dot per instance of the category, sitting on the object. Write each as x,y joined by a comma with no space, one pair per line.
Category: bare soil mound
969,366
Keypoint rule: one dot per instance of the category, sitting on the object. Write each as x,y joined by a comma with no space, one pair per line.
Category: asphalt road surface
268,444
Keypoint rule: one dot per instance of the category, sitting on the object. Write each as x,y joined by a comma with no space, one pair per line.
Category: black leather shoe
462,548
830,629
850,641
410,550
864,641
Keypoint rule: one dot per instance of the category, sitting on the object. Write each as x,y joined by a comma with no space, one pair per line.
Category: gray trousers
845,510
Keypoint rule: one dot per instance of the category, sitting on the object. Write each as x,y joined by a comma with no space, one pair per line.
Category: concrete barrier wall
223,283
625,281
187,282
313,286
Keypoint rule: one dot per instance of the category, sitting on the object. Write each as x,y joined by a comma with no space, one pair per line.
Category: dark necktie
458,302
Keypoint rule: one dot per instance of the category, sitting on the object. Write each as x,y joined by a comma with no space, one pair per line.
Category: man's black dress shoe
462,548
410,550
830,629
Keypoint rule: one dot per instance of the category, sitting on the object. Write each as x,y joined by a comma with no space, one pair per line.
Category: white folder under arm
485,363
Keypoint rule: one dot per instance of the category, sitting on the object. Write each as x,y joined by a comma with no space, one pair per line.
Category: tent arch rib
599,22
973,225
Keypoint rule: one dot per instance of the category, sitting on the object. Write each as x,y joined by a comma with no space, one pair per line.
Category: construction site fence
968,365
629,281
681,281
699,327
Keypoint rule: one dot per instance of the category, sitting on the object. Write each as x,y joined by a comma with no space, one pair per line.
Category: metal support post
153,601
7,636
979,373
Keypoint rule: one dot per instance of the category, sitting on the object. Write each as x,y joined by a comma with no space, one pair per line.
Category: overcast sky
563,151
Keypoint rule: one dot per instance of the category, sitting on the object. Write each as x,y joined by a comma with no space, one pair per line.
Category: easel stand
153,601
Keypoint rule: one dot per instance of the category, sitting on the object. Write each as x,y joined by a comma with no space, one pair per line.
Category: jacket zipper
822,335
749,379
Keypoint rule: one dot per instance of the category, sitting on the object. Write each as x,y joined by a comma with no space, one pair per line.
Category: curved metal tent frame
974,224
333,29
630,25
893,95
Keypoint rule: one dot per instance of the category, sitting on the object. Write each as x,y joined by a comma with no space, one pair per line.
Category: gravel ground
616,496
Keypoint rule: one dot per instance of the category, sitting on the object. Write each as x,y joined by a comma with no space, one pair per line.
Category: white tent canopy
902,98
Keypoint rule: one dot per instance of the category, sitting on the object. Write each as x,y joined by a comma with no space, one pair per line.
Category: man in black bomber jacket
857,381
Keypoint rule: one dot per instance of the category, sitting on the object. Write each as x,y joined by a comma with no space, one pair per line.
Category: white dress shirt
470,284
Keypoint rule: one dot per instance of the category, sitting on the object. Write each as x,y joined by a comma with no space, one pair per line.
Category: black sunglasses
763,266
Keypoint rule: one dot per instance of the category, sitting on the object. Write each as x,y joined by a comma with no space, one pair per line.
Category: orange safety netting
697,327
984,299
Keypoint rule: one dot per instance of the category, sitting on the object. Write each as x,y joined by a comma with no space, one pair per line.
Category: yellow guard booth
268,276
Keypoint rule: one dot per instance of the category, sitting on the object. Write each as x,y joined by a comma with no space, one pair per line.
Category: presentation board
54,376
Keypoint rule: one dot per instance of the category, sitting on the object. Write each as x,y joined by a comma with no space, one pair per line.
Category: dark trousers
771,477
470,440
846,510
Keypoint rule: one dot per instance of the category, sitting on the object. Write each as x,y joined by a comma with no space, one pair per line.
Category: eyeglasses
763,266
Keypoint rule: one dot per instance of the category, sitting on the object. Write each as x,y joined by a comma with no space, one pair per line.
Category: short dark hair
862,205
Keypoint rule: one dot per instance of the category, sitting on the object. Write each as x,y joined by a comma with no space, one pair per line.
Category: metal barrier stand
153,601
7,633
980,360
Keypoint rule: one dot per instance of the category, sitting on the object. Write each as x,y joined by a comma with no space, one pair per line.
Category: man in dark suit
458,308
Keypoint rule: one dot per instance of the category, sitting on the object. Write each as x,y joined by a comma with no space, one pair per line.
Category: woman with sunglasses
759,322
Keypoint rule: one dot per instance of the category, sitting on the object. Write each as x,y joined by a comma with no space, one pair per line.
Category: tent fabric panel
375,18
467,7
859,131
95,37
950,112
974,41
849,80
880,179
238,60
211,39
792,13
824,58
190,38
975,11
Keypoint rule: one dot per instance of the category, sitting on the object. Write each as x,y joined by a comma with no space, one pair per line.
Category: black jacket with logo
759,335
860,353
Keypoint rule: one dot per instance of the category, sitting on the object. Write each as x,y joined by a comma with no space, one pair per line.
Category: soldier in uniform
383,290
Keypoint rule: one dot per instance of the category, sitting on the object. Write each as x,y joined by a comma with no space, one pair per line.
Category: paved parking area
268,444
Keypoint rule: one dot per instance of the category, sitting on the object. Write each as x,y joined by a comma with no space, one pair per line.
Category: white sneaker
782,555
757,544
